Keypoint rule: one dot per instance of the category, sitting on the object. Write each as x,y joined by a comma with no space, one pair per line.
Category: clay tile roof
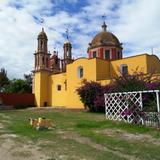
105,38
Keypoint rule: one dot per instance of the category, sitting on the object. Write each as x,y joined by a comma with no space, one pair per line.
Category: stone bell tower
67,49
67,57
41,71
42,55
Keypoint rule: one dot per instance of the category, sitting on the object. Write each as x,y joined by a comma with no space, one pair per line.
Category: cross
42,20
104,17
67,33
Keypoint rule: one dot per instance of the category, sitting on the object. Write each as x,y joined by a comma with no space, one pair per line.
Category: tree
3,79
28,79
20,85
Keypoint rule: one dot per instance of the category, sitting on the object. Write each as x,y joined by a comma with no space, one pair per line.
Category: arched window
43,60
124,69
80,72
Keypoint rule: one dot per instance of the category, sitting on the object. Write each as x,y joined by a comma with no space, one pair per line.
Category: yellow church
55,80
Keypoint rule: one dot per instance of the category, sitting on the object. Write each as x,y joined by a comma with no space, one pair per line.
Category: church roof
104,38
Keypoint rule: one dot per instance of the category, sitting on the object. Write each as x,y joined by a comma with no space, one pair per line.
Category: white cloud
136,23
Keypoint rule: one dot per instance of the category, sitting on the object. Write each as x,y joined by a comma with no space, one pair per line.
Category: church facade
55,80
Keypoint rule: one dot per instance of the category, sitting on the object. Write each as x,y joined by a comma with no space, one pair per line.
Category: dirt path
87,141
130,136
11,148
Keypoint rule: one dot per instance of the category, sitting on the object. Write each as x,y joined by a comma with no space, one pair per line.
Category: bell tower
41,55
67,50
41,71
67,47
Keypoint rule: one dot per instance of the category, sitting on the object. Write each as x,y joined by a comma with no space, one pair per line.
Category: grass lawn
77,135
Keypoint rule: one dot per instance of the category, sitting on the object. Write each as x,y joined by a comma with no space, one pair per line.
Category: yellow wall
37,88
41,87
102,69
73,82
57,98
94,69
139,61
153,63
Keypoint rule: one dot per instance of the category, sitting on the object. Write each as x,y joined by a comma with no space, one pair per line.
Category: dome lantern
104,27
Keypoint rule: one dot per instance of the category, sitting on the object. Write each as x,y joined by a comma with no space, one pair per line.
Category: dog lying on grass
40,123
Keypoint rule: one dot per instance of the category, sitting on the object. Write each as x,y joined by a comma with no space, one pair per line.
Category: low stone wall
17,99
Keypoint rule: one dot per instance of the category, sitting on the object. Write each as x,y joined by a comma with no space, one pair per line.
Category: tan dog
40,123
33,122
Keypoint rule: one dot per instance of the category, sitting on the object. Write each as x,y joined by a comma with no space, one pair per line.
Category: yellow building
56,80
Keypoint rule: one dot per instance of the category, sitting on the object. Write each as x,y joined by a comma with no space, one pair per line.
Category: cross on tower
41,21
104,17
67,33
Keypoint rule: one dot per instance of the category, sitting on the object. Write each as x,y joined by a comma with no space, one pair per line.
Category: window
47,62
124,69
43,60
94,54
119,55
58,87
107,54
80,72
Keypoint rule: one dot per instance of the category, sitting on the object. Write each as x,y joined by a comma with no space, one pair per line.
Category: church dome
42,34
104,38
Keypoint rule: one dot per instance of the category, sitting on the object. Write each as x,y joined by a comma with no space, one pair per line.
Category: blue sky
135,23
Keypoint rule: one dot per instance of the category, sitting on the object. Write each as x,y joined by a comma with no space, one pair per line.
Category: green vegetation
19,85
92,93
3,79
80,135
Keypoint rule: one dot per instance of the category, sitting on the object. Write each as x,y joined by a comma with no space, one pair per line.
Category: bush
99,101
92,93
88,92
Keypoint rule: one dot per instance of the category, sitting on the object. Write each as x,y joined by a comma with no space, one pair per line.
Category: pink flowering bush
92,93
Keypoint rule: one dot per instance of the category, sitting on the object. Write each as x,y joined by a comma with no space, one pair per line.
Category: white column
157,95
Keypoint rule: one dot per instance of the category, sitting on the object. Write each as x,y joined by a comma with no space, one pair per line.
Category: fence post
127,105
157,95
141,104
105,101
